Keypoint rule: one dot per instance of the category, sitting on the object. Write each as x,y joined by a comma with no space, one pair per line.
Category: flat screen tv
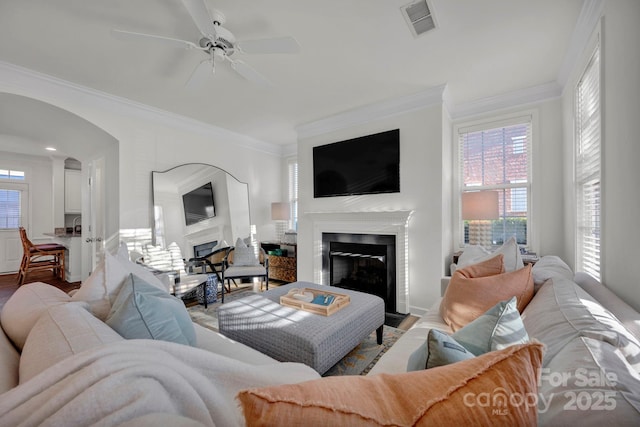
365,165
198,204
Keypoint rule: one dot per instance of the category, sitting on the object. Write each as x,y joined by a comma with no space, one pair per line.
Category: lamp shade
480,205
280,211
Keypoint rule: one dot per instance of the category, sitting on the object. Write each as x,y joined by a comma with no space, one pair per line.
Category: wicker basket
340,301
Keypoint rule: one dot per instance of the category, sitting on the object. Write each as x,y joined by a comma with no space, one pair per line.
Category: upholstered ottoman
291,335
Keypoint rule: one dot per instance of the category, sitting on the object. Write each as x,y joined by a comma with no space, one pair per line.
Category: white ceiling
353,53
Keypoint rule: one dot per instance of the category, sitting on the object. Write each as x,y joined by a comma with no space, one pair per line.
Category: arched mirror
199,206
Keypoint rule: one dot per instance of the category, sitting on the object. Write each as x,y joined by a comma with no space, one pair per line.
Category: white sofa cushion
215,342
562,311
25,306
60,332
395,359
588,377
549,267
9,362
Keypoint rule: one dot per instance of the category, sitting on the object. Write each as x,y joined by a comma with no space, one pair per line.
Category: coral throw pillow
471,292
455,394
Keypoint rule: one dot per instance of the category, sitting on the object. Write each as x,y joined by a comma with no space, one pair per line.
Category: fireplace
362,262
204,249
389,223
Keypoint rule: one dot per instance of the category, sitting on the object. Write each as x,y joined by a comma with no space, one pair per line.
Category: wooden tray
340,301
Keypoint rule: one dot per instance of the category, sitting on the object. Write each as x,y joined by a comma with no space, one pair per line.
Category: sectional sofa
73,360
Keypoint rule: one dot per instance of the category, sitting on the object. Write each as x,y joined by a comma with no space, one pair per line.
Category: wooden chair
46,256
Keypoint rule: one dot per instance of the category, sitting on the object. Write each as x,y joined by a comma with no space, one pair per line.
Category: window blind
293,193
10,211
588,170
497,156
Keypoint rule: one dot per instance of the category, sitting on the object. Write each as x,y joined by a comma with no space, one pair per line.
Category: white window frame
486,123
588,224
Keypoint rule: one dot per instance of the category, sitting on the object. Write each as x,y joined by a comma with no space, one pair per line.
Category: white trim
588,20
20,81
372,112
517,98
370,222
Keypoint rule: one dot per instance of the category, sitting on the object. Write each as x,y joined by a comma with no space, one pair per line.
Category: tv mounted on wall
365,165
198,204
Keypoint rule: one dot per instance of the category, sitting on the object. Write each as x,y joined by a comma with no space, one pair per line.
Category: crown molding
369,113
23,81
587,21
517,98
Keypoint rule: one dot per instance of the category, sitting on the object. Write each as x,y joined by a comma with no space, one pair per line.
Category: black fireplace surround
362,262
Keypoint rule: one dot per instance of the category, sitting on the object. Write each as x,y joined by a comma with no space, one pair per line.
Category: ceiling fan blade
250,74
201,16
141,37
200,74
271,45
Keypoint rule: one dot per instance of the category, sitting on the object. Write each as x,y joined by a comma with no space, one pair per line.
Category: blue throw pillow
439,349
498,328
142,311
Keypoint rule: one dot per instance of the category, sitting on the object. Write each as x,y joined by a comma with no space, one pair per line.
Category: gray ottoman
291,335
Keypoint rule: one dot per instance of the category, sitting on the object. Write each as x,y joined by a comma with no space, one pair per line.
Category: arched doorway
27,126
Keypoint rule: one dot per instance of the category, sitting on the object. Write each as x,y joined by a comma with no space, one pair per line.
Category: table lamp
280,213
479,208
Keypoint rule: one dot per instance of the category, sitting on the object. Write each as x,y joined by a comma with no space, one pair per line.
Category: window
496,156
10,199
587,158
10,174
10,211
293,192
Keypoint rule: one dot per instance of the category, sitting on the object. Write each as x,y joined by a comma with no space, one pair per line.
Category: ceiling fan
218,43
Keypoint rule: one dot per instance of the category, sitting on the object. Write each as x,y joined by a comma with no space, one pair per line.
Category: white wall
149,140
39,172
420,190
547,172
620,101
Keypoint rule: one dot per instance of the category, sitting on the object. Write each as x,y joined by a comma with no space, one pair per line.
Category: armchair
240,263
211,263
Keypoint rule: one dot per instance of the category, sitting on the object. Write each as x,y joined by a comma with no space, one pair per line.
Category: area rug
362,358
358,362
208,317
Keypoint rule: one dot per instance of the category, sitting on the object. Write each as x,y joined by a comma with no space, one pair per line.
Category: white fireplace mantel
366,222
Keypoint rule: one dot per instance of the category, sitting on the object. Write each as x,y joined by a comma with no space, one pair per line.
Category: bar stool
46,256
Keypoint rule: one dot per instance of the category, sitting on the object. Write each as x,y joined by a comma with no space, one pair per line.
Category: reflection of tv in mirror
365,165
198,204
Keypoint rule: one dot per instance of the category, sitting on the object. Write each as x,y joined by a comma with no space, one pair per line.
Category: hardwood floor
9,283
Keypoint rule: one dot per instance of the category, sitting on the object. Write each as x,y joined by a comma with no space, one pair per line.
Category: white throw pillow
102,286
244,255
93,291
510,251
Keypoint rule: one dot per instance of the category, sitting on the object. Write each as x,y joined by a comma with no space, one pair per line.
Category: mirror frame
203,227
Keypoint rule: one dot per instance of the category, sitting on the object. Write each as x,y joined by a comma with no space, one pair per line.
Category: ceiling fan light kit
217,42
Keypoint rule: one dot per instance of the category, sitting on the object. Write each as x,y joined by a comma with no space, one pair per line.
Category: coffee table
291,335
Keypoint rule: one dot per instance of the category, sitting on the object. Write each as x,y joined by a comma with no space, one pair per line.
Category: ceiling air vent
419,17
